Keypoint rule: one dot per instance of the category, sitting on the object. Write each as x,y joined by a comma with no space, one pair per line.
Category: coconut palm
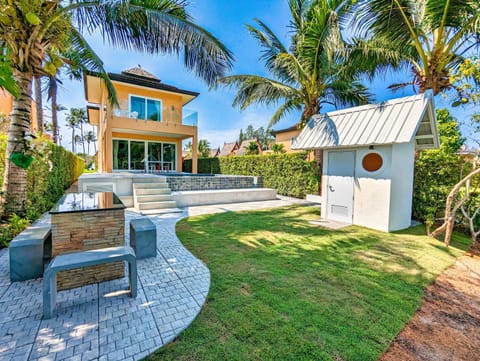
430,37
310,72
35,34
91,138
75,120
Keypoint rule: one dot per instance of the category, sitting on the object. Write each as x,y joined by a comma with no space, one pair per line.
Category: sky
218,121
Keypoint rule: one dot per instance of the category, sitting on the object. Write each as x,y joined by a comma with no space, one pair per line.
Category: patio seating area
101,321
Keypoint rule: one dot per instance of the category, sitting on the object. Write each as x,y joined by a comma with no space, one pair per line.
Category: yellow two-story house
144,133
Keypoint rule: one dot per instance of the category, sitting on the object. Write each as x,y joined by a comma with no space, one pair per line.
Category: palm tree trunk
88,146
73,139
39,104
95,146
53,95
15,178
82,135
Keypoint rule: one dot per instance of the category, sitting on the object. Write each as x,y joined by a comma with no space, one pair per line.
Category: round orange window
372,162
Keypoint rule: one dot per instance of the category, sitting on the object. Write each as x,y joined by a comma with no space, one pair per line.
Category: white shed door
341,171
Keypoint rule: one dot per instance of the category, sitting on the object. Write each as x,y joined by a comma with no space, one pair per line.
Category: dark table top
86,202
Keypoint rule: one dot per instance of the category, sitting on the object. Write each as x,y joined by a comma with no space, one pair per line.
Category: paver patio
99,322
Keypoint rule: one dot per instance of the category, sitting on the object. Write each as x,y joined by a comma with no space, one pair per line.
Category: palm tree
34,34
204,148
91,138
430,37
75,119
78,139
39,103
310,72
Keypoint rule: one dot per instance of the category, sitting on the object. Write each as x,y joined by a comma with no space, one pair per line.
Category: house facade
144,132
286,137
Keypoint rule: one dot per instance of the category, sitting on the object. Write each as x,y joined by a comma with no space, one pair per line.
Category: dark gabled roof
289,129
130,78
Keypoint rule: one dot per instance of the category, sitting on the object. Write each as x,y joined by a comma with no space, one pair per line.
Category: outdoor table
86,221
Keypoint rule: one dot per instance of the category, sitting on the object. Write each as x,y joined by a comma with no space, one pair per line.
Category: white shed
368,159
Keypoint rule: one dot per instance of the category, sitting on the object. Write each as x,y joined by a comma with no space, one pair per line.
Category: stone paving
100,322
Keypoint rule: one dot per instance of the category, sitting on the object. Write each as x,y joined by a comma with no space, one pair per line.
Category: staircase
151,195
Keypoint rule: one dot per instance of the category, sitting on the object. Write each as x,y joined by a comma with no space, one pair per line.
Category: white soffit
393,121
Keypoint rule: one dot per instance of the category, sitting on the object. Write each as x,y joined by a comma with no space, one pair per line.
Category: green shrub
289,174
53,170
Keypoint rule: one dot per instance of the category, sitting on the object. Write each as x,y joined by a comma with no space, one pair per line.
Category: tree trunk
15,178
82,135
39,104
53,95
449,220
73,139
95,146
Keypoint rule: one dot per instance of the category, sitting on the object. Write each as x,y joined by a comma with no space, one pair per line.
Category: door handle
331,189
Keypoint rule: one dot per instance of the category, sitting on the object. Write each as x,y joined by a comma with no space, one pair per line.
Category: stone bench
76,260
27,252
143,238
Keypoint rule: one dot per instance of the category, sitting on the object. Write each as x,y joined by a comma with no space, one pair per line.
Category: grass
282,289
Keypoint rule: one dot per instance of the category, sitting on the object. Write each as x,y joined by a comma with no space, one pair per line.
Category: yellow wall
158,131
171,103
285,139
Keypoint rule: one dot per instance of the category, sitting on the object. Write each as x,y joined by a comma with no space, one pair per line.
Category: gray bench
27,252
143,238
75,260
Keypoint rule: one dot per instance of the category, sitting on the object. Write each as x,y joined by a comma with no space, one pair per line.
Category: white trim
146,107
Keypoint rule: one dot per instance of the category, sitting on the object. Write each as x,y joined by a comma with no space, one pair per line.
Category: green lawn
283,289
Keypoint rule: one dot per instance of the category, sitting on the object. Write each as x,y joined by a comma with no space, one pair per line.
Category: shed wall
371,204
403,157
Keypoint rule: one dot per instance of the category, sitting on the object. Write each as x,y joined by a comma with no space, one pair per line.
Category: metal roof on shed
393,121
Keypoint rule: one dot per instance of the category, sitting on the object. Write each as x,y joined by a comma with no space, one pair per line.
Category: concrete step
150,191
155,205
153,198
161,211
150,185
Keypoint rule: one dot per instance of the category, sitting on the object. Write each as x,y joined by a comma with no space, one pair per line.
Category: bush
289,174
436,172
53,170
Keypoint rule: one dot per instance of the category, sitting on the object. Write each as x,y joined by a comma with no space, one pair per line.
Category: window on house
145,108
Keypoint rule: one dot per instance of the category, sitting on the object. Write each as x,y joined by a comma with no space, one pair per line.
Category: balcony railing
189,118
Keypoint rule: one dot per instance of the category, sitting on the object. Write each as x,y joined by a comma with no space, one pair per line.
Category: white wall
372,191
382,199
403,156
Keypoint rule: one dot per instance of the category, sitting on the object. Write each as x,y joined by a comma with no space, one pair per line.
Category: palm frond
283,110
82,57
271,47
156,26
343,93
257,89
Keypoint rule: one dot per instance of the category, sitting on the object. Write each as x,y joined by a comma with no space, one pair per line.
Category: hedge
53,170
436,172
289,174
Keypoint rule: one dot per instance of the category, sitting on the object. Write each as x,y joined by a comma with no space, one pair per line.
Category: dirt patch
447,325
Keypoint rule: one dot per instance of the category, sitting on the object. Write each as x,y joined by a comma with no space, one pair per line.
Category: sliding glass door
134,155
